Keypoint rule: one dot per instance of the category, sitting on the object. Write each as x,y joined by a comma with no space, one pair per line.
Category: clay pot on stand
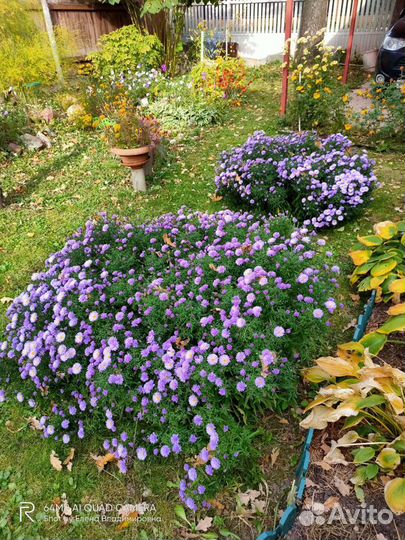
136,159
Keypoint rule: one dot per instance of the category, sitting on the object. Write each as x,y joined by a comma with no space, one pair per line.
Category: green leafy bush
124,50
13,120
178,107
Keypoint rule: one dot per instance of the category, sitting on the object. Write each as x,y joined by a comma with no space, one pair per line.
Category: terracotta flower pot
136,158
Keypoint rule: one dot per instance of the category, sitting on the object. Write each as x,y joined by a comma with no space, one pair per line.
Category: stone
32,142
74,111
14,148
44,139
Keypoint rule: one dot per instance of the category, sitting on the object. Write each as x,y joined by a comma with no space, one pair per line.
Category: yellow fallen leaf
55,461
274,456
167,240
69,460
216,198
101,461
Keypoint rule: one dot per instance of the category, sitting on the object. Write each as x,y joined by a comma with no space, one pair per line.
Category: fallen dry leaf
355,298
69,460
325,466
204,524
216,504
216,198
331,502
101,461
274,455
35,424
343,488
167,240
55,461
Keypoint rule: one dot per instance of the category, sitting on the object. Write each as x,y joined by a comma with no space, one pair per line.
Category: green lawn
51,194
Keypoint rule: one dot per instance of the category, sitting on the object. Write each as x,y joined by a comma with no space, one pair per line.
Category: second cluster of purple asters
321,182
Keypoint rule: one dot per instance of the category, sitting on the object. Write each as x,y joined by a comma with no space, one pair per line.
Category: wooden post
52,40
350,42
287,45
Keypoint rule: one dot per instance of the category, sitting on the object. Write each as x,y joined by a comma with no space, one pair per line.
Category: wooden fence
87,21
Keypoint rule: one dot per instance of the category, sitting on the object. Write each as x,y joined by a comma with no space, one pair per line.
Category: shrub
13,121
222,78
318,97
178,108
385,117
124,50
381,266
161,336
25,53
370,398
321,182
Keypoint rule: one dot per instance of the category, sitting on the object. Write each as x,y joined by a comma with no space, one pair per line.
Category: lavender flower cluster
321,182
152,335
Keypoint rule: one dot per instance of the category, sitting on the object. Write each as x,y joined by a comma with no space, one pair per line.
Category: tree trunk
314,16
399,6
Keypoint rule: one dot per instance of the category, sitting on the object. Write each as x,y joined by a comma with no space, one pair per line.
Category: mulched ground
330,505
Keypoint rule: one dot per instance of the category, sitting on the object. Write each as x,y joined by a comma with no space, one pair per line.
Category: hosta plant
376,340
380,265
369,398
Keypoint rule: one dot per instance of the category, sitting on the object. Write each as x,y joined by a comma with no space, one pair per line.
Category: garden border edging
290,513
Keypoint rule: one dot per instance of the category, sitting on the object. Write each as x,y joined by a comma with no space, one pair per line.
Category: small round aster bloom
165,451
192,474
279,331
318,313
93,316
260,382
193,400
141,453
76,368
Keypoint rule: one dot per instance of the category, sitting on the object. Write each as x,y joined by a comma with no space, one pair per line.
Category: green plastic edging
290,513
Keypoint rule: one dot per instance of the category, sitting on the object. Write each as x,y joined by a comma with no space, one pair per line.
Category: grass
54,192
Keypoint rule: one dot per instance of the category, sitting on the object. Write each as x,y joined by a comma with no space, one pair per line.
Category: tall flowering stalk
157,335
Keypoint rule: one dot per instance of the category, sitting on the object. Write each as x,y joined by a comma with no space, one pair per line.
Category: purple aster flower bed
158,337
321,182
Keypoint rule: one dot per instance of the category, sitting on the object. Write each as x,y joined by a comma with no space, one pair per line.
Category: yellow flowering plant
384,118
317,100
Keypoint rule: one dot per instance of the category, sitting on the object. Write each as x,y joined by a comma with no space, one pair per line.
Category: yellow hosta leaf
360,256
348,438
316,375
388,459
394,492
385,229
320,400
347,408
398,286
376,281
382,268
353,350
370,241
394,324
399,309
317,418
336,390
337,367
